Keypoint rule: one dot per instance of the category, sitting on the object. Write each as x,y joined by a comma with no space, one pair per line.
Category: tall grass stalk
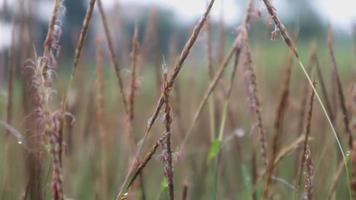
10,82
48,120
211,76
170,82
212,85
78,49
216,143
307,134
167,153
278,124
100,119
113,56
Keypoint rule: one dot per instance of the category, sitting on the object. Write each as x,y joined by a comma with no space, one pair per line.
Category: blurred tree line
299,16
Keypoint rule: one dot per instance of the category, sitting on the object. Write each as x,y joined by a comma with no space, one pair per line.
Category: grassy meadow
221,116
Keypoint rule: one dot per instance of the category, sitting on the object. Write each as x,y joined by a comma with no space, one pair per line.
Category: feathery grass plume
48,120
112,54
341,95
10,82
278,123
309,175
290,44
236,48
34,159
306,132
170,82
167,151
100,118
26,41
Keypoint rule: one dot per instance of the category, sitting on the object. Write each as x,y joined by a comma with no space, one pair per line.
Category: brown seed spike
339,85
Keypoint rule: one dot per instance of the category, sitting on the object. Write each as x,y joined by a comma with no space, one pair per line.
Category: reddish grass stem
113,55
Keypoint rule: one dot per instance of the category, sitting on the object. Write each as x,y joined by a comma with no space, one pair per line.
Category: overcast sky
340,12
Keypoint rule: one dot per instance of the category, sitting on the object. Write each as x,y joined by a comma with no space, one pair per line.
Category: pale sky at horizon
341,13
